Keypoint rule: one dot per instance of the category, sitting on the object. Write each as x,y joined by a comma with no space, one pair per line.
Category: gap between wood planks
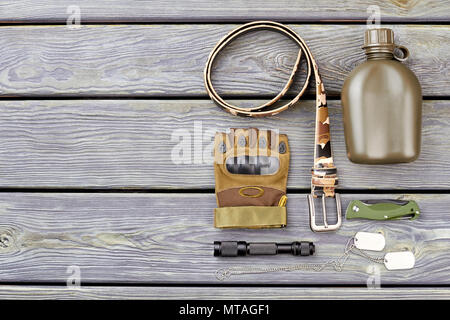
229,21
330,97
216,285
88,189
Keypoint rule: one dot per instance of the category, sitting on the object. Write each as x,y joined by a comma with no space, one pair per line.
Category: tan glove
251,168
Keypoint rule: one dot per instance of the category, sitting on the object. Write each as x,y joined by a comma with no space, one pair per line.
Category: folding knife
383,209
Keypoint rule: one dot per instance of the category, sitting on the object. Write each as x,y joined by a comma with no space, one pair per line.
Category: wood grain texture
167,238
168,60
215,10
198,293
129,143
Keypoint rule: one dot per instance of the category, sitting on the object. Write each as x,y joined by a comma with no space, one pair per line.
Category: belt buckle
312,215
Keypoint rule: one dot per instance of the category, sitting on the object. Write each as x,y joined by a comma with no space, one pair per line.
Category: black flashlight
242,248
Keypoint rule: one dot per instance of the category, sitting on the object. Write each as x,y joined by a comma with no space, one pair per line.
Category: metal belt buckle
312,215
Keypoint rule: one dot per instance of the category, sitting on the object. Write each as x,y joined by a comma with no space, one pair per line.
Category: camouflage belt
324,179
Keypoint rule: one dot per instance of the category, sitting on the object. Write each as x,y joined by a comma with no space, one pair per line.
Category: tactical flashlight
242,248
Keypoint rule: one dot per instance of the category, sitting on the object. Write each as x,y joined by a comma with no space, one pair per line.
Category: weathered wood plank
167,238
234,293
129,143
168,60
214,10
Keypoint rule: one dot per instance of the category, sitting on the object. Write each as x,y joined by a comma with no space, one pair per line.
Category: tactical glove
251,168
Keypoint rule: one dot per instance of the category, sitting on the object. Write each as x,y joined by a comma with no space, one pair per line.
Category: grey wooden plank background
212,293
153,238
150,238
168,60
215,10
128,143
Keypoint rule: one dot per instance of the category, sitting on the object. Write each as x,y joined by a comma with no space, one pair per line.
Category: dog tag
369,241
399,260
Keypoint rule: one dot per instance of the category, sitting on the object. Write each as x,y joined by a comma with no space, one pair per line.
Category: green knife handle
382,209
